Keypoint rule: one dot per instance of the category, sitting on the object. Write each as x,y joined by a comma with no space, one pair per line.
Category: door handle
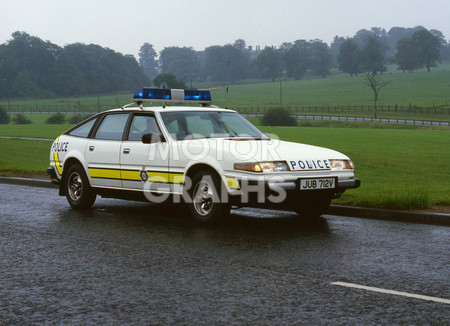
91,148
126,151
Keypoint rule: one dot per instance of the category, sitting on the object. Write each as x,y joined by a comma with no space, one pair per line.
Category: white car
205,157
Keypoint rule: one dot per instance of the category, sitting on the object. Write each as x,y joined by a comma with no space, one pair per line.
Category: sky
124,25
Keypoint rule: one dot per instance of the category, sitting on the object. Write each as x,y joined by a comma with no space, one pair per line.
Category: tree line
368,51
31,67
371,51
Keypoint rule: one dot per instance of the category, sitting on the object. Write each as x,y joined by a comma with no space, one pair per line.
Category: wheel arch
67,164
195,168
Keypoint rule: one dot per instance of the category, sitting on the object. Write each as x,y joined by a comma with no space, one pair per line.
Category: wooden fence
72,108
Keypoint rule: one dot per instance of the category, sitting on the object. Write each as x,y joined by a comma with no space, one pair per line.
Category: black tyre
79,192
205,204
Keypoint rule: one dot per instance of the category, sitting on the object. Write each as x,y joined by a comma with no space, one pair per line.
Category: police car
204,157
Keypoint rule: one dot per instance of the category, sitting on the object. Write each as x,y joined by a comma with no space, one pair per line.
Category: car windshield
210,124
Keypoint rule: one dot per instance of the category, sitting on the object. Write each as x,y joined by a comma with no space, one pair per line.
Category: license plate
319,183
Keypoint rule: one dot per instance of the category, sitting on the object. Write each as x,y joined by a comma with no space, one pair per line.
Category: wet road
134,263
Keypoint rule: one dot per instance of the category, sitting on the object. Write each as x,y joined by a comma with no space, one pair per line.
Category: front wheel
79,192
206,205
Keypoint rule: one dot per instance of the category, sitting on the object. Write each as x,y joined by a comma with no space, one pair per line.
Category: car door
145,165
103,151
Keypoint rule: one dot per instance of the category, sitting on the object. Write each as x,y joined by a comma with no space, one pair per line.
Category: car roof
151,109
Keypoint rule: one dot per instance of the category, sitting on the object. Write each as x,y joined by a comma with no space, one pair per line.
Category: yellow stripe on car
176,178
104,173
57,163
135,175
158,176
130,175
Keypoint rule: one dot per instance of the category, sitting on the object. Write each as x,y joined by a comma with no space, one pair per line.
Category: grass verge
24,157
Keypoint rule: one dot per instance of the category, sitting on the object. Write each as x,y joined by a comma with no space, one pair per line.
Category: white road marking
404,294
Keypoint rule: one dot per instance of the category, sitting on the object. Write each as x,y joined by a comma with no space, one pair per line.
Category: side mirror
152,138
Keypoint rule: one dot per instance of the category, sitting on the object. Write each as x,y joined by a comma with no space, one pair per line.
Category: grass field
37,129
420,88
341,90
400,166
24,157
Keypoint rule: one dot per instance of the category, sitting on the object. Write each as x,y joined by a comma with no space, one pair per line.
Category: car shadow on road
173,216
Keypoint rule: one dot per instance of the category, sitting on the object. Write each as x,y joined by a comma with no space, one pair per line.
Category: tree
147,60
28,58
31,67
376,84
104,70
428,47
439,36
349,57
373,55
168,80
335,48
406,56
444,50
320,58
228,63
420,50
239,44
362,36
395,34
296,59
182,62
268,63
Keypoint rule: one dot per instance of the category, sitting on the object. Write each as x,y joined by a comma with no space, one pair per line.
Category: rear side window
83,130
112,127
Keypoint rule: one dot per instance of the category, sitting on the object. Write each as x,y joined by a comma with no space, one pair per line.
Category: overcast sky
124,25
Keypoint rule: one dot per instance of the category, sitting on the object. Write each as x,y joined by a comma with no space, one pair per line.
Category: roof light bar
171,95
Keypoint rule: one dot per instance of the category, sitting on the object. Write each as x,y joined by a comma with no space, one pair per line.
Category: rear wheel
79,192
206,204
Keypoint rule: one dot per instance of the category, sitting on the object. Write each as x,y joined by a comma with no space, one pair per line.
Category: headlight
279,166
338,165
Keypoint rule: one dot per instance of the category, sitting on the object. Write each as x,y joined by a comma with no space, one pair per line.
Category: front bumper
287,192
349,184
51,172
287,195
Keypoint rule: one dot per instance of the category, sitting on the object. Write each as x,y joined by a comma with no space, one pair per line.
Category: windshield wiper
246,138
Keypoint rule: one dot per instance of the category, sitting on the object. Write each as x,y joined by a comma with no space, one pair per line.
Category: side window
83,130
141,125
112,127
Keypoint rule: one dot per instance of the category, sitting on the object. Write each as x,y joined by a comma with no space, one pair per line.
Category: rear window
84,129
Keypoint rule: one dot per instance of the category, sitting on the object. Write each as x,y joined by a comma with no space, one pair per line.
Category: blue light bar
193,95
171,95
